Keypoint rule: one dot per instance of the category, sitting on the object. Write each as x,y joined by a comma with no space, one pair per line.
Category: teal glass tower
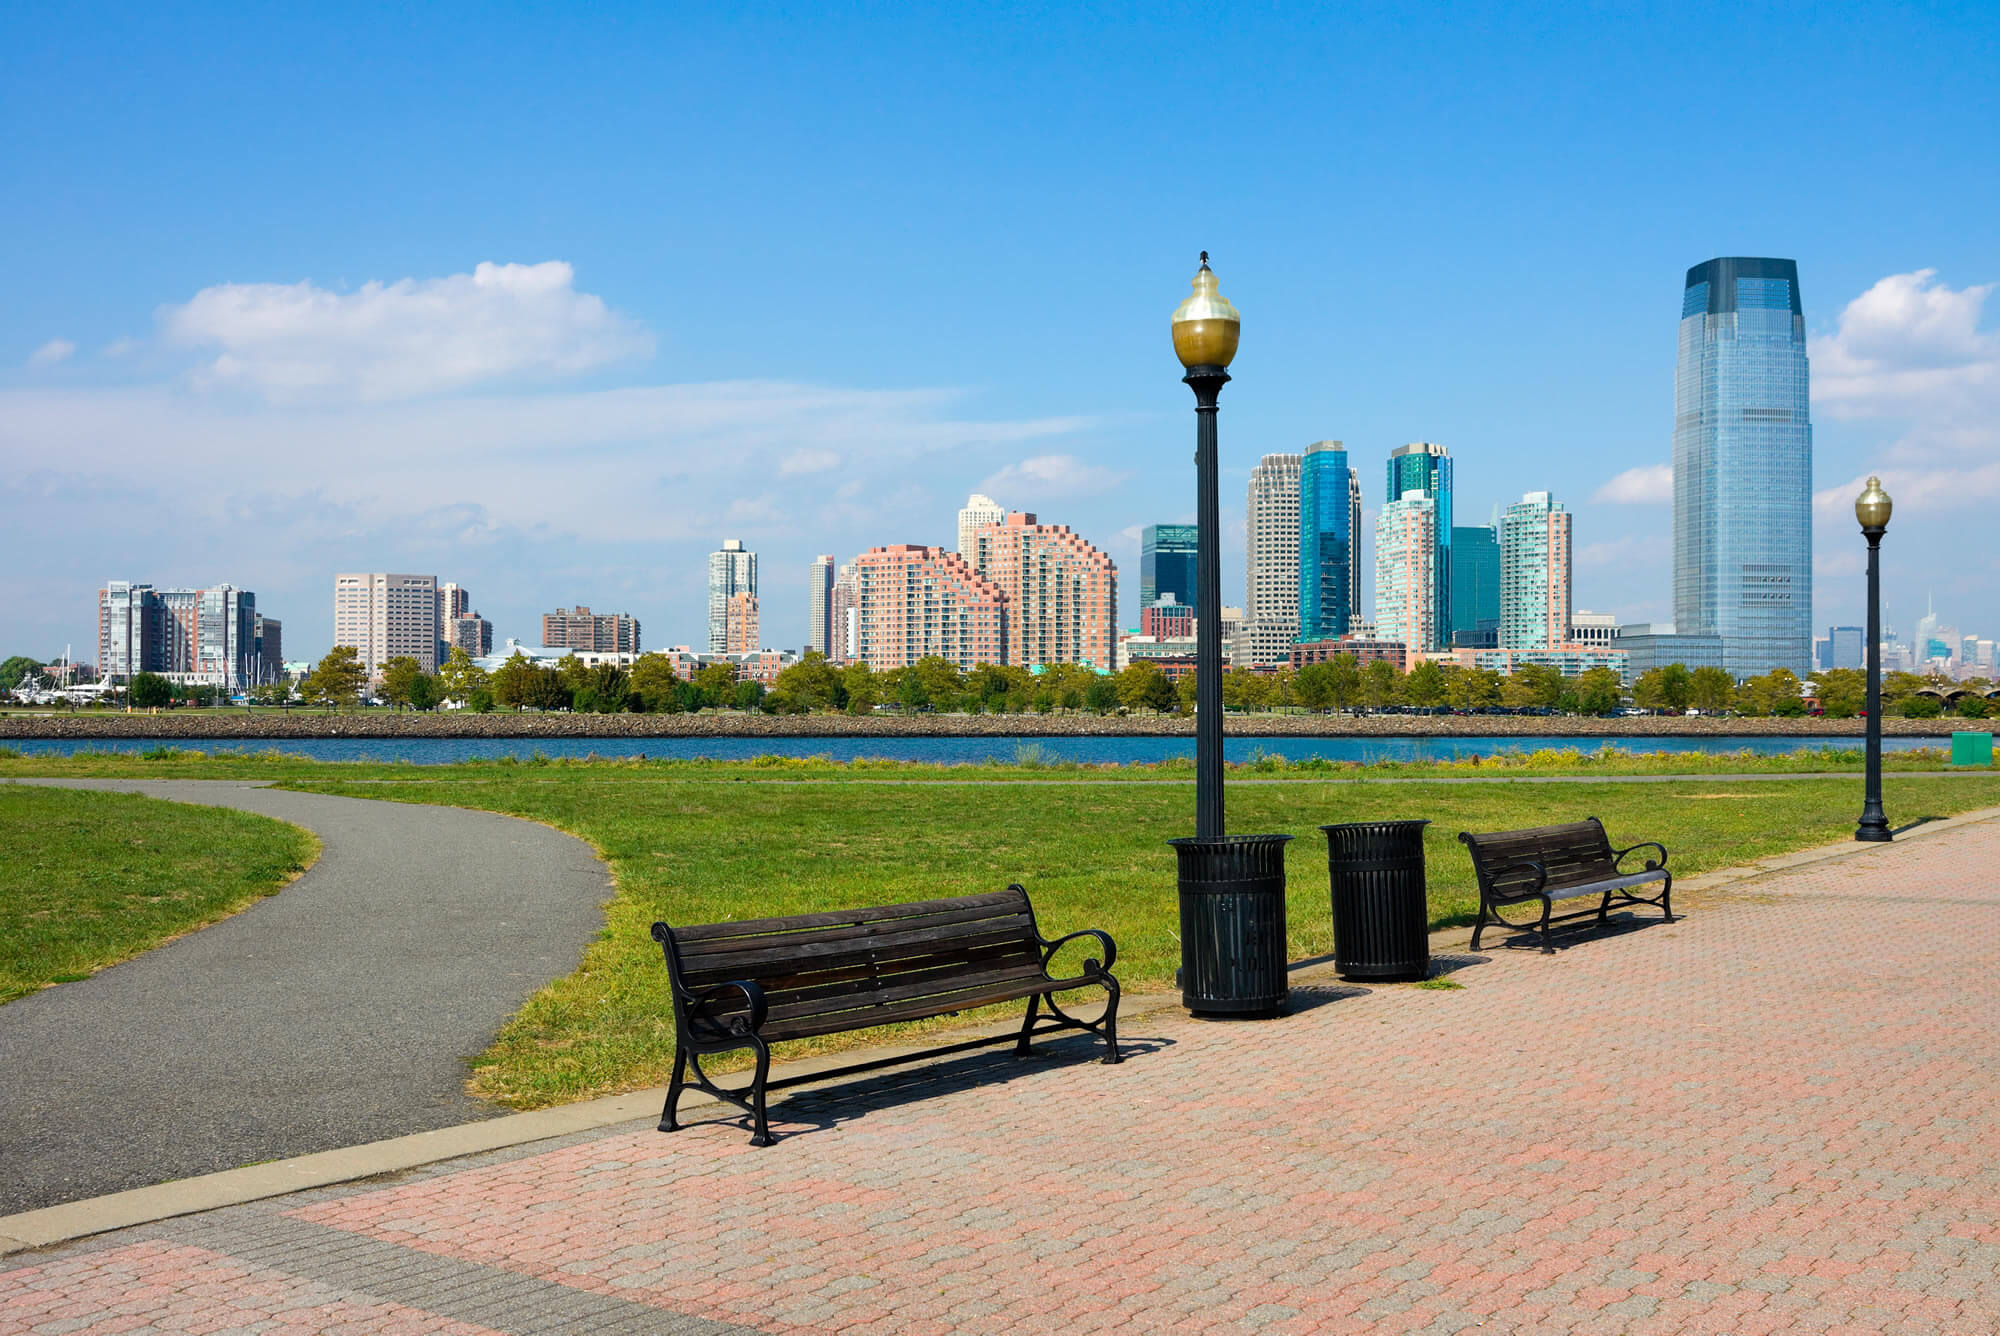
1167,555
1475,587
1743,466
1326,544
1426,467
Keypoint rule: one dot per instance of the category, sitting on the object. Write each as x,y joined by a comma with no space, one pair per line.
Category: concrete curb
121,1210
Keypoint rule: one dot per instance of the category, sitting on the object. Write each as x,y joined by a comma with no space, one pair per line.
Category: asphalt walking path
337,1012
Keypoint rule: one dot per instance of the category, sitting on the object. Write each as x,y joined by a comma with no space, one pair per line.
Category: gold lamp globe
1206,326
1873,505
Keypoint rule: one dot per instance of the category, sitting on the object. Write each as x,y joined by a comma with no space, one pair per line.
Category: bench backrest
904,961
1574,854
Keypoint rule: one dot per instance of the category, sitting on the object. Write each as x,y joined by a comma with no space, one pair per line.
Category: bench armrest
1090,967
1651,864
752,994
1541,877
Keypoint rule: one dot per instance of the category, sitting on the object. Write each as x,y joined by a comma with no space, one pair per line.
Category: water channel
942,750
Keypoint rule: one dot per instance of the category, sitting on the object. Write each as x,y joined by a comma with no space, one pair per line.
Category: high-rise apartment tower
1743,465
1406,587
1534,574
387,616
732,570
1424,466
1270,564
979,511
819,606
1062,593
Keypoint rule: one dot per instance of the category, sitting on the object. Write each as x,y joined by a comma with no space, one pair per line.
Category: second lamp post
1872,509
1232,888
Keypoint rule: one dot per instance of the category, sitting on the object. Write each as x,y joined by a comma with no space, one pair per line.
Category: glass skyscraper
1475,587
1426,467
1743,466
1326,543
1168,563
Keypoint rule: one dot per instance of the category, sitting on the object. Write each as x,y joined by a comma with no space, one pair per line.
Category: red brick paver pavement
1780,1115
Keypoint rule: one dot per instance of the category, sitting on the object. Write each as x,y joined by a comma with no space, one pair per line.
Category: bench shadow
1581,932
1443,965
803,1112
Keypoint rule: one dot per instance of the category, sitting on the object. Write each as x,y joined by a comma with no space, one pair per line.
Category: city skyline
542,367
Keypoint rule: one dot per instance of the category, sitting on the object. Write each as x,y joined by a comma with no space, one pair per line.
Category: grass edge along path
90,878
1090,855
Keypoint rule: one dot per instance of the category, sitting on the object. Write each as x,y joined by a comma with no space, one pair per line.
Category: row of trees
815,685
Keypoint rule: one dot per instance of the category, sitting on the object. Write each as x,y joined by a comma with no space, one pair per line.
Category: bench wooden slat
935,984
1003,916
826,955
703,932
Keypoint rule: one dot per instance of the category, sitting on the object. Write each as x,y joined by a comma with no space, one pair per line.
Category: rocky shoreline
196,725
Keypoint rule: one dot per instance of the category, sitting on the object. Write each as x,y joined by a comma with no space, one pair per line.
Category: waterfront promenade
1774,1116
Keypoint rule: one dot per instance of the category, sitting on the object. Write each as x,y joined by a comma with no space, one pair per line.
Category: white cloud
1905,345
123,347
403,339
1911,349
1052,476
1647,485
808,461
55,350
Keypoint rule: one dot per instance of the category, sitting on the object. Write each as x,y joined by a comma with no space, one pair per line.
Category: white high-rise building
844,615
1406,587
387,616
1270,563
980,510
819,606
1535,574
732,570
454,602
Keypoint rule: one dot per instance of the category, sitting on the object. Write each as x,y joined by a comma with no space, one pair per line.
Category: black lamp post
1872,509
1232,887
1206,329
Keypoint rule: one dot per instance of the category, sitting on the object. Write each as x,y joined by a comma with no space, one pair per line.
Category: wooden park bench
1551,863
754,983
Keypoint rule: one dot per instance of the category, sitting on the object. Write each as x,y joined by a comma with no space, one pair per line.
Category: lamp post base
1874,832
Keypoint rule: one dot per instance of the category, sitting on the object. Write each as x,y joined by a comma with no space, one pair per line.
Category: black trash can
1381,920
1233,955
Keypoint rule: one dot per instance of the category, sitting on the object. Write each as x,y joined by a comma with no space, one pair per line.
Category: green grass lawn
692,846
90,879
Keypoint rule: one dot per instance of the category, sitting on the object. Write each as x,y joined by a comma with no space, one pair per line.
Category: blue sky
807,279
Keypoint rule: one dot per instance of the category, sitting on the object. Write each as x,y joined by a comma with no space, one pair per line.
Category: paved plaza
1781,1114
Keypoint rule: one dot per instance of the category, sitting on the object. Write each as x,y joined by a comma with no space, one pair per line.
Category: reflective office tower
1326,543
819,606
1270,564
1475,587
979,511
731,570
1534,574
1845,647
1406,589
1423,466
1743,466
1167,560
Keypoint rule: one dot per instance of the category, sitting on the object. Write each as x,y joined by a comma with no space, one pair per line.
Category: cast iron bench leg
762,1136
1112,1058
1548,907
1021,1049
668,1122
